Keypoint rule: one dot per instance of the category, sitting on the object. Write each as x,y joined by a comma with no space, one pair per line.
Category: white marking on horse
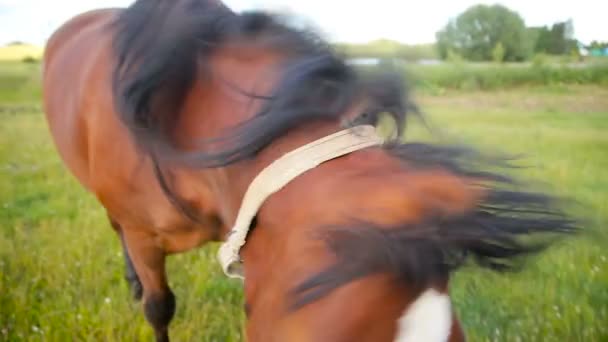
427,319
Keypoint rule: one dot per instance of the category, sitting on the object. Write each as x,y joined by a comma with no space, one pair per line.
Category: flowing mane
505,225
160,44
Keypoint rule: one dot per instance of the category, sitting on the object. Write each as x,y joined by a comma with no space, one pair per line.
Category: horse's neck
218,99
213,107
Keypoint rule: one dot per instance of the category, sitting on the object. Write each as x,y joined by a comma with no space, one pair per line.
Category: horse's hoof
136,290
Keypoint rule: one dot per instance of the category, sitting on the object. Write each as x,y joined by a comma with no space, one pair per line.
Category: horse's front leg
130,274
148,260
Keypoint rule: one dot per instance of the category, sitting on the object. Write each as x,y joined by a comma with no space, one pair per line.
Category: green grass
19,84
563,295
61,267
489,76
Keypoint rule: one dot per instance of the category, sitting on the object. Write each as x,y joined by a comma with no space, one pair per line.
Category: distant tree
29,60
475,33
559,40
598,45
543,39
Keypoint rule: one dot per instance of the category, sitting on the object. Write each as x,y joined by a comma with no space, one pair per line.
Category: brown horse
168,110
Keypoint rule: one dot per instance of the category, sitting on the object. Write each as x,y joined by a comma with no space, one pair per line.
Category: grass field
18,52
61,265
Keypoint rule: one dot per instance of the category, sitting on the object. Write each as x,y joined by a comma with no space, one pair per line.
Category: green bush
462,76
30,60
498,53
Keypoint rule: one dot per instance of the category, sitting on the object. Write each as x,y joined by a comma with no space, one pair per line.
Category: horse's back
74,27
85,127
71,57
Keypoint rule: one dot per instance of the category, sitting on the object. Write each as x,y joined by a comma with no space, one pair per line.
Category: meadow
20,51
61,267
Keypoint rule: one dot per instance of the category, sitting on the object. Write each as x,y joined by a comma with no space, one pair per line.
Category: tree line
495,32
482,33
386,48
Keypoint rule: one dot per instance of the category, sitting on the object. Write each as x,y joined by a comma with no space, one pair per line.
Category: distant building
599,52
594,51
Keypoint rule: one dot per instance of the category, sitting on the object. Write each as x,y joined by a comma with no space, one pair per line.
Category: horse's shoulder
75,26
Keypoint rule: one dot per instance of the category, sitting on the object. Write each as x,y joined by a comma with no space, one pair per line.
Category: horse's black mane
160,45
506,225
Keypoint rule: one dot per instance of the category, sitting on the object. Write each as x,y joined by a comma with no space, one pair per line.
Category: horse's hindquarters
95,145
71,86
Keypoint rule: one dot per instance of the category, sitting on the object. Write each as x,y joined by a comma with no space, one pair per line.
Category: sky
411,22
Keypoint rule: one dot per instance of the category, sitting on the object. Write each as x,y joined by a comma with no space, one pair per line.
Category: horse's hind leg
149,263
130,274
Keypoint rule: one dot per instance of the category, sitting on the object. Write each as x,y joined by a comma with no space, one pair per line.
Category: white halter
278,174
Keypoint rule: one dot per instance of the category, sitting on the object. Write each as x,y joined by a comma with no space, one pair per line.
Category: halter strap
278,174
